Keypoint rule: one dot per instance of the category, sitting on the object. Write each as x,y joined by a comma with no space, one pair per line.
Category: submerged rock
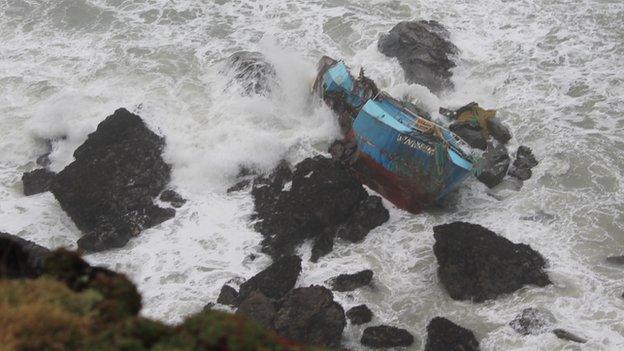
176,200
616,260
37,181
470,133
350,282
475,263
524,163
360,315
20,258
310,315
424,52
319,198
566,335
444,335
494,166
384,336
252,71
532,322
108,191
275,281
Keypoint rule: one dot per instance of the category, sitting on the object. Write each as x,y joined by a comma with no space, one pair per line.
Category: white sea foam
550,68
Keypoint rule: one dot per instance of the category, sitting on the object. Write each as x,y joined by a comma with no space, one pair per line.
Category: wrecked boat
391,146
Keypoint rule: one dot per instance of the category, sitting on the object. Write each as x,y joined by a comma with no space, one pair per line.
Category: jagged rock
258,308
228,296
369,215
311,315
494,166
20,258
350,282
241,185
475,263
532,322
360,314
523,164
37,181
498,130
320,196
616,260
275,281
424,52
323,244
444,335
108,191
252,71
470,133
566,335
384,336
176,200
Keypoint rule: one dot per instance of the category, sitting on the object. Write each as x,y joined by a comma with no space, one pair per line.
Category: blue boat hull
407,159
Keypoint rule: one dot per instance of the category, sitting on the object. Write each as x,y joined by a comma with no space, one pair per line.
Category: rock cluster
424,52
319,200
476,264
108,191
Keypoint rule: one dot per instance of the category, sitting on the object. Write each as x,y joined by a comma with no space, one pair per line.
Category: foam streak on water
553,69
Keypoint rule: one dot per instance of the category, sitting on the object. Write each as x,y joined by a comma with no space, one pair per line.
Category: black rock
252,71
532,322
444,335
258,308
616,260
498,130
384,336
228,296
20,258
176,200
241,185
360,314
108,191
369,215
494,166
275,281
524,163
320,197
311,316
566,335
37,181
470,133
323,244
424,52
350,282
475,263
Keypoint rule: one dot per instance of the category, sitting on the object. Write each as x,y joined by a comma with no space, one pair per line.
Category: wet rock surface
252,71
444,335
384,336
533,322
275,281
350,282
424,52
37,181
20,258
523,164
566,335
259,308
494,166
360,315
108,191
498,130
476,264
320,197
228,296
470,133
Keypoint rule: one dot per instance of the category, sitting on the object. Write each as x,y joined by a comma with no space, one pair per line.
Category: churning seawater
554,69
